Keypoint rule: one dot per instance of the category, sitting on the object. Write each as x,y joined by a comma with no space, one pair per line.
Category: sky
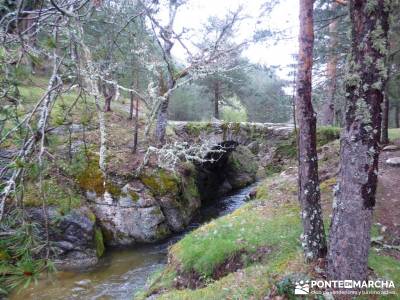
283,16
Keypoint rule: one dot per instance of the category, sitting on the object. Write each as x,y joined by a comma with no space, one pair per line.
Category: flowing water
122,272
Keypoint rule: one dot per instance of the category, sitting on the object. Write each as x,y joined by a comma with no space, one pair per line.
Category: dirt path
388,198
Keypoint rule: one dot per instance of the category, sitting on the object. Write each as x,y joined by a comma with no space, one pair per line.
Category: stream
122,272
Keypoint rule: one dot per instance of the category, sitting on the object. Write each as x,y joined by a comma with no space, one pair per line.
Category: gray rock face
242,167
125,225
72,237
143,214
393,161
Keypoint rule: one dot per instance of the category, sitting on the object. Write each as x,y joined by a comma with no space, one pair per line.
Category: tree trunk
313,237
107,103
328,110
355,196
162,117
396,115
135,136
385,120
216,100
131,106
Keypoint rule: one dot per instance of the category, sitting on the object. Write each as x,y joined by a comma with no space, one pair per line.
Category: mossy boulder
241,167
75,240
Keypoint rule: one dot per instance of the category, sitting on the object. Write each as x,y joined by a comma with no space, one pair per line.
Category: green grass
257,224
394,134
246,229
326,134
387,268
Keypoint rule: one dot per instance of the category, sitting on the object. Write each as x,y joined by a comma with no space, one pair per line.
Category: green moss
161,182
195,128
287,149
134,195
91,216
394,134
326,134
162,232
91,178
98,239
327,185
273,169
113,189
243,160
262,192
386,267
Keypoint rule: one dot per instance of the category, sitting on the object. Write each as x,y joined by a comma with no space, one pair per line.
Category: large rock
75,240
241,167
147,209
393,161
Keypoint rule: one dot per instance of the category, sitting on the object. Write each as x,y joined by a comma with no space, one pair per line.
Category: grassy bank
254,252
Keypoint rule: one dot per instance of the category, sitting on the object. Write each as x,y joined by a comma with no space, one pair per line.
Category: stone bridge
244,133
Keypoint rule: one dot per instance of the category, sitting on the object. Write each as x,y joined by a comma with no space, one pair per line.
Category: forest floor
255,252
387,208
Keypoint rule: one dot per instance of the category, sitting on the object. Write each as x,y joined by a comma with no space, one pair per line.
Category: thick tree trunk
313,237
216,100
328,109
385,120
355,196
396,115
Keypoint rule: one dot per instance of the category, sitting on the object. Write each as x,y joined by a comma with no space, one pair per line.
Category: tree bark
396,115
216,100
162,117
359,152
107,103
313,237
136,133
385,120
131,106
328,110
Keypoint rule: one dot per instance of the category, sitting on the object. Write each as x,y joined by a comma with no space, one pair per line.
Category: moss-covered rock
160,182
98,239
241,167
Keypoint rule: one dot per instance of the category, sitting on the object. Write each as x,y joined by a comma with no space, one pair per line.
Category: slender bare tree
313,237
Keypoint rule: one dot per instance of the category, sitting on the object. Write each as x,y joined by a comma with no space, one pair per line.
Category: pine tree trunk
136,133
216,100
313,237
131,106
107,103
328,110
385,120
355,196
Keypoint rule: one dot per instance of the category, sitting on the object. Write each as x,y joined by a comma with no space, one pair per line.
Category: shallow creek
122,272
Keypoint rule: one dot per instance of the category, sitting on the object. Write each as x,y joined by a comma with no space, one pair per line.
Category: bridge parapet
243,133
